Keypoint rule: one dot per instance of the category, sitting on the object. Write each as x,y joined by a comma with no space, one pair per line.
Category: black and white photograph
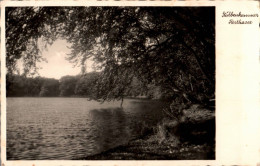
110,83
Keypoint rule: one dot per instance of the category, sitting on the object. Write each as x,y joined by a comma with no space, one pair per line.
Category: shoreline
146,148
192,139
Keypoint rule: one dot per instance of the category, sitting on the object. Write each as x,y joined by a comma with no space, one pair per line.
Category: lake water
72,128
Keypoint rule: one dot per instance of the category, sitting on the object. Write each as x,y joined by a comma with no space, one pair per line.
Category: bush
165,132
194,124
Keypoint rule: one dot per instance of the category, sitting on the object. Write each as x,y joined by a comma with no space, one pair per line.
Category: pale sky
57,65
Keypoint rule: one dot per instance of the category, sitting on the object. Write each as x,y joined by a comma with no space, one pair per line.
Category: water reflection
109,126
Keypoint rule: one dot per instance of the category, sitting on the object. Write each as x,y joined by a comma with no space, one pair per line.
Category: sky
57,65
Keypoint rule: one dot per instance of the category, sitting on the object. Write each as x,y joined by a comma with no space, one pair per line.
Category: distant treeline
67,86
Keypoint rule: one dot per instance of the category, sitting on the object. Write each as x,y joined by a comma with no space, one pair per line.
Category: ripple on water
68,128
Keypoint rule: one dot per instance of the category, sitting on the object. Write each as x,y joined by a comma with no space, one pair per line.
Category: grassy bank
193,138
149,149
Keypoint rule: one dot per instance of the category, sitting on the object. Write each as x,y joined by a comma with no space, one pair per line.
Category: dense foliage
21,86
171,48
67,86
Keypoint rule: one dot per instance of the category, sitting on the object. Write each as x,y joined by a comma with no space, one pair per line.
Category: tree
86,85
67,85
14,85
169,47
50,88
18,85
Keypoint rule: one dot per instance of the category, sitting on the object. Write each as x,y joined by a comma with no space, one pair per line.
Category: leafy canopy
170,47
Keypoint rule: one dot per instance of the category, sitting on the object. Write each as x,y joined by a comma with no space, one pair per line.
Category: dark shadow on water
110,127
